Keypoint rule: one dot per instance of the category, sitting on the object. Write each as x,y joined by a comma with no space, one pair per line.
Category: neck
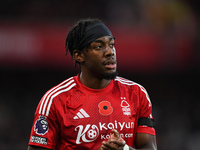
94,82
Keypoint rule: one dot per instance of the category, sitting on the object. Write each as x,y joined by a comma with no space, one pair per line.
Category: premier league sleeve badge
41,126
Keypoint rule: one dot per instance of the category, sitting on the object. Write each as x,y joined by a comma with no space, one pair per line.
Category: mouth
110,64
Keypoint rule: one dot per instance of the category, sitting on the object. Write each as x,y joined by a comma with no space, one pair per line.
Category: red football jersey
72,116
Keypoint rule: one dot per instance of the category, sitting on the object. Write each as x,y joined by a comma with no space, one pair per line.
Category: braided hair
76,34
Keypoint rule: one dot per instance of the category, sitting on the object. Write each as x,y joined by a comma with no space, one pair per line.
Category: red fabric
145,129
77,117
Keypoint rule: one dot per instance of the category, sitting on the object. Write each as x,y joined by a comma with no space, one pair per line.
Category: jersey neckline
87,89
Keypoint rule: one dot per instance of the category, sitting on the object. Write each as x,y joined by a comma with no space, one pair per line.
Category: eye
112,45
98,47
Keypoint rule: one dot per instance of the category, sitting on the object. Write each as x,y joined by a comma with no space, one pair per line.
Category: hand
115,142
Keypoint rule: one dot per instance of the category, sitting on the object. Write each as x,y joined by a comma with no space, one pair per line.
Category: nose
109,51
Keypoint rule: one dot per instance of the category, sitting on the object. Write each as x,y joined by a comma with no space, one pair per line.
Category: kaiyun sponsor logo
91,132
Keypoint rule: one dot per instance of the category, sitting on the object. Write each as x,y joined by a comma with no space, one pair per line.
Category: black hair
76,34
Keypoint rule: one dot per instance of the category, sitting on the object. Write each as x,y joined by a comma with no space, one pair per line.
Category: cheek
92,63
94,59
96,64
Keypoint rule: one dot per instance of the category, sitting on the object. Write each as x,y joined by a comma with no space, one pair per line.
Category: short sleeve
145,111
44,132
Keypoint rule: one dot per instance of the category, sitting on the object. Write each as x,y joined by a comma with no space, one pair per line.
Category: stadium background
157,45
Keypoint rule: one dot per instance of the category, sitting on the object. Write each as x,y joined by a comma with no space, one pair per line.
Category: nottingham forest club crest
41,126
125,106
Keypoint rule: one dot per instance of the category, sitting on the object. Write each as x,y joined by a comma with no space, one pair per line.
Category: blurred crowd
174,94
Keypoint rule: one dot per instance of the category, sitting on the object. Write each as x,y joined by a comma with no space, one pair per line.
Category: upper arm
143,140
36,148
45,129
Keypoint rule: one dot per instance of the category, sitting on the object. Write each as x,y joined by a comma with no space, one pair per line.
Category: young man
95,109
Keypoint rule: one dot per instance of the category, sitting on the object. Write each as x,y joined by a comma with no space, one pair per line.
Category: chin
110,76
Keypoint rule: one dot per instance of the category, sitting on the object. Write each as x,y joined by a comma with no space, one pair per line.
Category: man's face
100,59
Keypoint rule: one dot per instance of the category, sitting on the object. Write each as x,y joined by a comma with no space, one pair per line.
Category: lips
111,64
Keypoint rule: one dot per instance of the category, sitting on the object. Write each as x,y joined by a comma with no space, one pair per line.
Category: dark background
157,45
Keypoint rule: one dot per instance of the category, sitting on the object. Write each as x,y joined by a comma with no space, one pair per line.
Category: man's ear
78,56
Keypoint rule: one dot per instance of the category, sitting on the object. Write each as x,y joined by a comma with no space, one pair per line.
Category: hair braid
75,35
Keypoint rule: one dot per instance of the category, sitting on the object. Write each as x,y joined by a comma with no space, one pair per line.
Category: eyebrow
100,41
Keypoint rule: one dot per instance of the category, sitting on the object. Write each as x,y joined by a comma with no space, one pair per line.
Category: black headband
93,32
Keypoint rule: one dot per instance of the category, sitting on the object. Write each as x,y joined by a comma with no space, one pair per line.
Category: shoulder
127,82
53,95
64,86
131,85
